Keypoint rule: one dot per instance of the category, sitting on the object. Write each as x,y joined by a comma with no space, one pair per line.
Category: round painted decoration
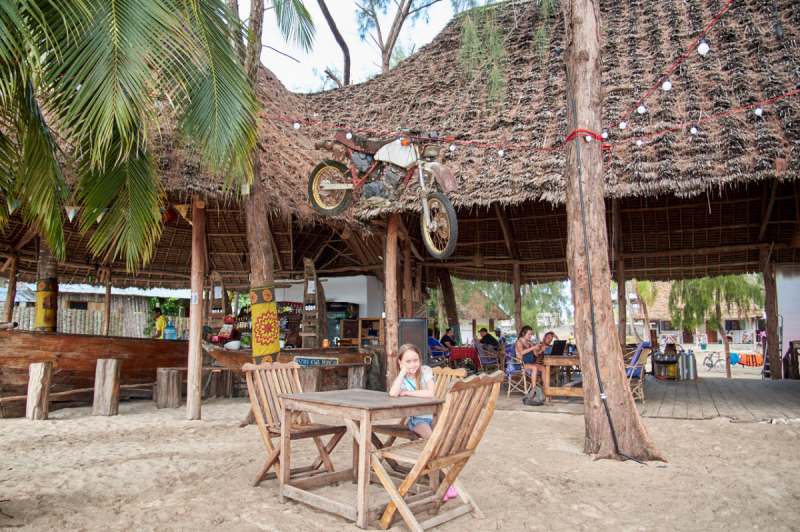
40,286
53,287
266,328
267,295
253,297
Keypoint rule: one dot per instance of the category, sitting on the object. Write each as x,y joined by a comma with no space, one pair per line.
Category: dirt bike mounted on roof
381,170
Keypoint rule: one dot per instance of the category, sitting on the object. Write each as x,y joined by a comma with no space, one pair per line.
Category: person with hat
488,339
501,339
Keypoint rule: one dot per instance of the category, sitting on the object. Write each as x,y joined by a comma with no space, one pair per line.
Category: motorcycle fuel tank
398,154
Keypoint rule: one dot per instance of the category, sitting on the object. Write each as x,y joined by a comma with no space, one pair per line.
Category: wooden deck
740,399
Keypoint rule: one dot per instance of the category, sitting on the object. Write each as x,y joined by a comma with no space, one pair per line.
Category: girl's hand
403,371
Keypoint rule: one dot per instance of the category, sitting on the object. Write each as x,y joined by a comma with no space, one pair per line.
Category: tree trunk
441,315
633,321
194,371
517,298
450,307
583,29
622,303
773,353
339,39
390,298
11,293
46,313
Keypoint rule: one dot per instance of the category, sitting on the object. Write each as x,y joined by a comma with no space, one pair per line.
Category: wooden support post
773,353
235,306
39,376
474,330
310,378
46,317
356,377
107,307
168,388
517,297
417,284
449,297
106,387
400,306
12,289
390,298
407,276
491,325
195,366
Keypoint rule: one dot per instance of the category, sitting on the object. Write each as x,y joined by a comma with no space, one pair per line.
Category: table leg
286,431
546,383
364,469
356,452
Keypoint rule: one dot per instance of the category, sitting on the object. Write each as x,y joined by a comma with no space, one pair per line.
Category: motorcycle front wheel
441,237
329,201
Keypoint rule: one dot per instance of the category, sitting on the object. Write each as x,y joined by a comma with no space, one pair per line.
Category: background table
358,409
561,391
459,353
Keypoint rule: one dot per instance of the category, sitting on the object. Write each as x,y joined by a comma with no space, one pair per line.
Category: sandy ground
149,469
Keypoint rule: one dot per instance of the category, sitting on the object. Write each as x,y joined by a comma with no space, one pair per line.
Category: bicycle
714,361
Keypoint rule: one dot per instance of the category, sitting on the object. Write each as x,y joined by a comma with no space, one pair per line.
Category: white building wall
788,281
365,291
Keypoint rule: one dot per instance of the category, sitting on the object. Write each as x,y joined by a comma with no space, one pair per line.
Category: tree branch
340,41
429,4
333,77
282,53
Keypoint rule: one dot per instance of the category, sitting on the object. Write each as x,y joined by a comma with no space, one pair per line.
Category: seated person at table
501,339
414,380
448,340
530,353
546,346
435,346
488,339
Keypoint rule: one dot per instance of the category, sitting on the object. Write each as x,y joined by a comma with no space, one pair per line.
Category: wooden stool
168,389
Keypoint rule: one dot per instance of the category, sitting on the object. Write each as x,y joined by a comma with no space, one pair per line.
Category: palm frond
216,98
39,183
129,196
294,23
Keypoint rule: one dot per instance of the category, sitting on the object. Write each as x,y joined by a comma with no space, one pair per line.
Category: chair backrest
484,355
265,382
443,377
638,360
468,407
433,342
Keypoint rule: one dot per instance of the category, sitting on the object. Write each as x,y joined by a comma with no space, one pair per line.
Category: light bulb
349,134
501,152
693,131
639,143
667,85
297,125
623,125
452,147
641,109
397,140
588,138
759,111
604,134
703,48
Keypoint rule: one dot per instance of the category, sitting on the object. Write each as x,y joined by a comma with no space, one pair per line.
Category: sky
365,56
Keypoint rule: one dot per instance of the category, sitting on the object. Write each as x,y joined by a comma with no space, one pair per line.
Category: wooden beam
508,235
194,371
698,251
405,236
107,307
768,212
275,249
390,298
29,234
449,296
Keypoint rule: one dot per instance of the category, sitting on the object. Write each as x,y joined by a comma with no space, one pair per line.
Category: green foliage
294,22
705,299
482,48
542,36
111,71
401,52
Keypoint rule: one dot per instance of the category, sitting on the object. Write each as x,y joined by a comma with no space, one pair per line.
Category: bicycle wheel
708,363
719,365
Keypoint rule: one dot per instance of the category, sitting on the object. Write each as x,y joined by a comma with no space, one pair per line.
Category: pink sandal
451,494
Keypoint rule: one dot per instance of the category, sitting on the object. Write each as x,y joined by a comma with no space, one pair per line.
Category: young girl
414,380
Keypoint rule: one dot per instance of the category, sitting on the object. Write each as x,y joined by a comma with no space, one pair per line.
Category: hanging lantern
477,260
667,85
703,48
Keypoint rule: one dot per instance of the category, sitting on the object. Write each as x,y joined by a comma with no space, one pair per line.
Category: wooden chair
442,377
635,370
490,360
516,375
265,382
437,355
468,407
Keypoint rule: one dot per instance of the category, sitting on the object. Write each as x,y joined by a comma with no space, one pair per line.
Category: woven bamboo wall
128,316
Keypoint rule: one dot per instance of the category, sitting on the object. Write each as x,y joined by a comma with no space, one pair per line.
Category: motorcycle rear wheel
329,202
442,241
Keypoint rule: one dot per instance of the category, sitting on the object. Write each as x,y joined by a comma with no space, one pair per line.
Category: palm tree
83,88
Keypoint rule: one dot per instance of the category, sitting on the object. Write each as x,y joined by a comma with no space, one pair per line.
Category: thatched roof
474,308
429,91
660,309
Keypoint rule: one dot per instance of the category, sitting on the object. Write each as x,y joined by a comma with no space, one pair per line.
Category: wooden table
359,409
562,391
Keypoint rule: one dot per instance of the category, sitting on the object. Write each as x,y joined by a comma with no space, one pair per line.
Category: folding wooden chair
635,371
516,375
468,407
489,358
443,377
264,383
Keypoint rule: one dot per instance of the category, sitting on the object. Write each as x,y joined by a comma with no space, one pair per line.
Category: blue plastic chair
634,369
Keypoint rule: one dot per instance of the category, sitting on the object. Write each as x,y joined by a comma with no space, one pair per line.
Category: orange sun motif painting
266,330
